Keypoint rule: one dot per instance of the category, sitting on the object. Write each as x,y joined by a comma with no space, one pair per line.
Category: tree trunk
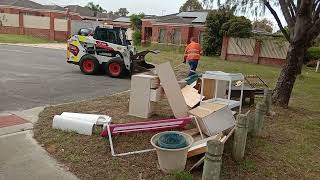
288,75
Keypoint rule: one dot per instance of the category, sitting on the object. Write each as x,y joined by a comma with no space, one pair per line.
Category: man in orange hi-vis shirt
192,55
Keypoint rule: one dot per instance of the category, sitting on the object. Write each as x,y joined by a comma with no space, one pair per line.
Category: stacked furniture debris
144,89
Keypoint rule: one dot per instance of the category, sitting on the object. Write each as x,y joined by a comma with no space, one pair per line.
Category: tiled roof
83,11
200,17
123,19
54,7
22,3
184,18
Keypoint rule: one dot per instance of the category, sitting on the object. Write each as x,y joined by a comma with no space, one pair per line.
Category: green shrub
136,38
313,53
223,22
237,27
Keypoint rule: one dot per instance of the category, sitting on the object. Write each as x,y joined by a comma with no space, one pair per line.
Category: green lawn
290,146
306,91
288,149
12,38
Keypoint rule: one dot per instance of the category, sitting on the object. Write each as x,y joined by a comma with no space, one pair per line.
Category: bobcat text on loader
107,49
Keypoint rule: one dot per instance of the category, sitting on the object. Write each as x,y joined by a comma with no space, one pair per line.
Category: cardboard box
213,118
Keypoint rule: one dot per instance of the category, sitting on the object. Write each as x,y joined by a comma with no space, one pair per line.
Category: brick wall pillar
69,24
69,28
143,35
224,48
256,54
51,31
21,24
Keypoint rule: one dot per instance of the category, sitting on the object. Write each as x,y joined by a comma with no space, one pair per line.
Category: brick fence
268,52
51,25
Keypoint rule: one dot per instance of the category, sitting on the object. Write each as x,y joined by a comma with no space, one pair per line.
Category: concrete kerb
32,115
30,150
58,46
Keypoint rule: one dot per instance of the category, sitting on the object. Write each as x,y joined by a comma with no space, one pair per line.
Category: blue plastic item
172,140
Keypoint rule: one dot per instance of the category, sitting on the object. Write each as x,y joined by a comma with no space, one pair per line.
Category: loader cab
111,35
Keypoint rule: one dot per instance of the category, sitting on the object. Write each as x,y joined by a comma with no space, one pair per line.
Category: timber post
213,160
267,99
240,137
259,118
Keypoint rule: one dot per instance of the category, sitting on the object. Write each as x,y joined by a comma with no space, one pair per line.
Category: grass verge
288,149
13,38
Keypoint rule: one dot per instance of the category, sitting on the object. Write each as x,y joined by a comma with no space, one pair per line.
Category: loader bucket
139,64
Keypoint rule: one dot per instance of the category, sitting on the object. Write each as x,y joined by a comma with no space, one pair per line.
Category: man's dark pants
193,66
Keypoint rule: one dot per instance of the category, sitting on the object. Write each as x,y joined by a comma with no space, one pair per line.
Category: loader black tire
115,68
89,65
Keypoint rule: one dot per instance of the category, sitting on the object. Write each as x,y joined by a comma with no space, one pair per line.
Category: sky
152,7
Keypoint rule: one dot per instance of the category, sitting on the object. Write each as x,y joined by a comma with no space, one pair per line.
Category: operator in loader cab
192,55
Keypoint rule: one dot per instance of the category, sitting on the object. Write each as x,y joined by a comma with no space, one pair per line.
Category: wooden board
140,97
191,96
200,147
172,90
192,132
209,88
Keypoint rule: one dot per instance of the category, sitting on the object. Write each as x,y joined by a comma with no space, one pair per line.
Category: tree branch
286,13
293,13
275,15
298,4
316,12
293,6
314,31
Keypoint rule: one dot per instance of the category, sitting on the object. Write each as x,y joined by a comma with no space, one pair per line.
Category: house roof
200,16
110,16
82,11
22,3
173,18
123,19
184,18
54,7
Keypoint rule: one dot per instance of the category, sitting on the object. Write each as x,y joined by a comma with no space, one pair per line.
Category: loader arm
139,63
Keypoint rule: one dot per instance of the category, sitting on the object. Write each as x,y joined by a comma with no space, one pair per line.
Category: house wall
52,25
187,31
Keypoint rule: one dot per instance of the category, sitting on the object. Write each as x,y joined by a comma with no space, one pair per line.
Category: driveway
32,77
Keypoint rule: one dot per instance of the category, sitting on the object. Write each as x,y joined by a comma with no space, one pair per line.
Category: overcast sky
156,7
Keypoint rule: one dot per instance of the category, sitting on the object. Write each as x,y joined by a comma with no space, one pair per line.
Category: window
201,37
162,36
176,36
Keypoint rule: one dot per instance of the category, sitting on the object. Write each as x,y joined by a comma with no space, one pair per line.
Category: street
32,77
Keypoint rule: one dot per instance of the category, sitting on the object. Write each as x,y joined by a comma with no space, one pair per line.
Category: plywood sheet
209,88
140,97
206,109
200,147
191,96
172,90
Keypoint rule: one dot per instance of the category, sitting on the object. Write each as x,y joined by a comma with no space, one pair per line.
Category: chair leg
110,140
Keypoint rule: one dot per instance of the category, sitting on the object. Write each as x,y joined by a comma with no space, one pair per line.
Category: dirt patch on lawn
287,149
89,157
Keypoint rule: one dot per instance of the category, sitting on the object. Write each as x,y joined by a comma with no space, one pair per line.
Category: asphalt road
32,77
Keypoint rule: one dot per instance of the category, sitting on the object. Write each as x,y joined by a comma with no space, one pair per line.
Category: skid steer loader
106,49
